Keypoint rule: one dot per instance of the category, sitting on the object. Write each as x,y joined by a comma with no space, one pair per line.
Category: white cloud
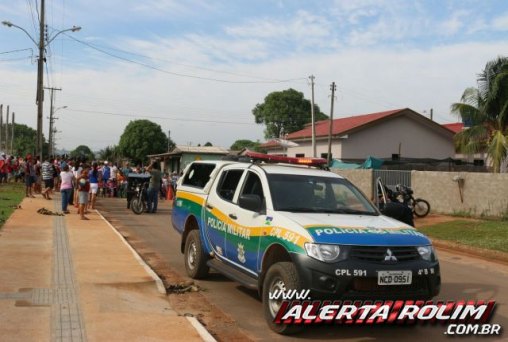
304,28
501,23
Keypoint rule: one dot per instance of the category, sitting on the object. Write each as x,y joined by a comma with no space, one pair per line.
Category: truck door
242,243
219,208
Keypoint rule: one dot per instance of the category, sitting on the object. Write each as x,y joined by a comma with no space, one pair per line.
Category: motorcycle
419,206
137,186
138,203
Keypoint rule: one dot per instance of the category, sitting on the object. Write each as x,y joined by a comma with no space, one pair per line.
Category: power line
32,15
189,65
179,74
159,117
18,50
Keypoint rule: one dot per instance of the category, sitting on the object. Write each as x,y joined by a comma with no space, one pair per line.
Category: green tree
284,112
141,138
110,153
485,109
208,143
25,140
82,152
245,143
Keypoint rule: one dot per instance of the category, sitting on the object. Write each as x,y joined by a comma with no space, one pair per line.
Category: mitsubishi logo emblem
389,255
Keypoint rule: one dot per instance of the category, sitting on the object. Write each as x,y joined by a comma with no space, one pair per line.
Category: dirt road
154,237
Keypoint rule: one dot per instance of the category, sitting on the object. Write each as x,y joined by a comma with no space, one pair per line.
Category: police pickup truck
278,223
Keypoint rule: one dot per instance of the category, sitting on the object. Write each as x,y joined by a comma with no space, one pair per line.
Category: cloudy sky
198,67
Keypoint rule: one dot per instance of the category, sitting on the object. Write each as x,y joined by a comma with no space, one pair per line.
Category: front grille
378,253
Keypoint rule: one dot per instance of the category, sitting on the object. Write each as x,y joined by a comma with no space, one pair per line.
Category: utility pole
432,114
7,131
12,133
333,87
169,135
40,81
51,120
313,119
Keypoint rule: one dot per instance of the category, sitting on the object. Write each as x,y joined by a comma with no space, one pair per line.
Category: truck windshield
316,194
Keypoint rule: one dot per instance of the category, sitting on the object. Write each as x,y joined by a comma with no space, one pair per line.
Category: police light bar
267,158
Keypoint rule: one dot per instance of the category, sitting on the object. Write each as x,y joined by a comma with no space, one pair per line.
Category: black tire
281,275
195,257
137,206
421,207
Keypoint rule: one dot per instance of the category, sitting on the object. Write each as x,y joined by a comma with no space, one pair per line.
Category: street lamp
40,69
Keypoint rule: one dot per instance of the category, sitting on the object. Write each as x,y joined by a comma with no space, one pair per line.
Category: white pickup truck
291,225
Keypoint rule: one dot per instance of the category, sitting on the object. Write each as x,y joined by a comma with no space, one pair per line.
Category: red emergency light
268,158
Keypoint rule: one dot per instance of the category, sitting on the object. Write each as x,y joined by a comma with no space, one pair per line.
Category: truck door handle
209,206
233,216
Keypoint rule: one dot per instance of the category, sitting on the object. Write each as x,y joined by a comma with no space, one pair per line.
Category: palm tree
486,110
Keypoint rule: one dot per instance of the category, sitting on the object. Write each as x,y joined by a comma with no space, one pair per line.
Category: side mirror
250,202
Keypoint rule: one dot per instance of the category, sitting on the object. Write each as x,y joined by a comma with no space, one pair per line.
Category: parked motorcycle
138,203
137,192
419,206
388,204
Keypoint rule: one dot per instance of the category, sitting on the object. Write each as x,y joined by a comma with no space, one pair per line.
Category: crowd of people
81,183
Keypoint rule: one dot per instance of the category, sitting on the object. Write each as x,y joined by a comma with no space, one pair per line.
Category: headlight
426,252
326,253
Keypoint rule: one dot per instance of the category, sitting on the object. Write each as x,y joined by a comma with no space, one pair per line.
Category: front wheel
280,277
137,206
195,256
421,207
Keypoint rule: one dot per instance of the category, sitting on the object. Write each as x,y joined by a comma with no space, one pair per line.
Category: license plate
394,277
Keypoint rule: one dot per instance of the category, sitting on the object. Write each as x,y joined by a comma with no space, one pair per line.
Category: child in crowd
84,189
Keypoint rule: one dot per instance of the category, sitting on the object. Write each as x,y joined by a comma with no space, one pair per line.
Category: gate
392,177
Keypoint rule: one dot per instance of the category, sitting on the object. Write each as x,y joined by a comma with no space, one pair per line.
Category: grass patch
10,197
481,234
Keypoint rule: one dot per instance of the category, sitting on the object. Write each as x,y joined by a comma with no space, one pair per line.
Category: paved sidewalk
64,279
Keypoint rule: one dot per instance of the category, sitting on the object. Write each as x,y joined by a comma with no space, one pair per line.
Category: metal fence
392,177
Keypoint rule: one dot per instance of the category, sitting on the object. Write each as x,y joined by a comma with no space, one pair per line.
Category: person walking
153,187
94,177
29,176
47,172
66,177
106,173
83,189
76,171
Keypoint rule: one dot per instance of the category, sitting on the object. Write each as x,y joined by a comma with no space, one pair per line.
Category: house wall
362,179
483,194
188,158
381,140
321,147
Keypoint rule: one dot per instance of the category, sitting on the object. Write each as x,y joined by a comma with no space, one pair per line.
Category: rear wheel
421,207
195,257
137,206
281,277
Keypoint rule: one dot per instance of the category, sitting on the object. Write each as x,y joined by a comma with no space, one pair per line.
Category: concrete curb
196,324
454,247
205,335
158,281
